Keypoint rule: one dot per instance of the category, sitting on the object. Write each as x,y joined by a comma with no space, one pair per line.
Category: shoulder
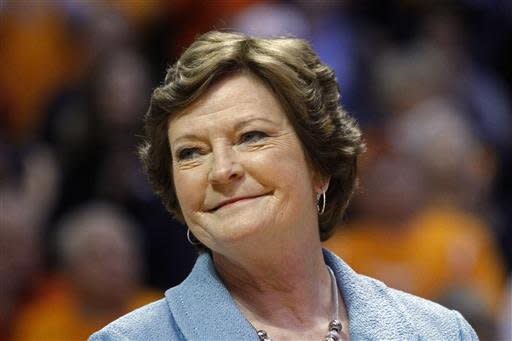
379,312
150,322
427,318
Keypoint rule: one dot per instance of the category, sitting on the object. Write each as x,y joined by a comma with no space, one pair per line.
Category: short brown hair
306,88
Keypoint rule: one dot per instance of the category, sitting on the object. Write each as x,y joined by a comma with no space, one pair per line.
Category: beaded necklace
334,325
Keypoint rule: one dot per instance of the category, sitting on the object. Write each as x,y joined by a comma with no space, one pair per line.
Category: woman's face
240,172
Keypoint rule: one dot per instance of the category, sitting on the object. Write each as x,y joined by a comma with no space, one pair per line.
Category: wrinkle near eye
187,164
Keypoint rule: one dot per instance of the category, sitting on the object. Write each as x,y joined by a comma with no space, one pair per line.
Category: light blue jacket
201,308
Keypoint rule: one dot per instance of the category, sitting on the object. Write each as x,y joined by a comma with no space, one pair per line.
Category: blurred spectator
100,278
476,88
19,260
27,193
188,18
430,247
457,166
93,128
505,331
437,71
422,224
121,94
35,44
269,19
426,250
469,305
93,125
326,24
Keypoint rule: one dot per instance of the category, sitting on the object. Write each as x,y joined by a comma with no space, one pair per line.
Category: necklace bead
263,336
333,335
335,325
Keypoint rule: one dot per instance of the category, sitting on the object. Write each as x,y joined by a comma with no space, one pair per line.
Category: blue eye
252,136
188,153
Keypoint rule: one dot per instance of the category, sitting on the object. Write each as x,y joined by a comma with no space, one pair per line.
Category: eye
252,136
188,153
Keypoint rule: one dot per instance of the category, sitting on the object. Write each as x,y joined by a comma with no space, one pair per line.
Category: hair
306,88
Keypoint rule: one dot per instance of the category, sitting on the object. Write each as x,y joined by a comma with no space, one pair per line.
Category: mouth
232,201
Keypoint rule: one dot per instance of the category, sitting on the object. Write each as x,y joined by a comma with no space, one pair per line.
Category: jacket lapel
371,311
203,308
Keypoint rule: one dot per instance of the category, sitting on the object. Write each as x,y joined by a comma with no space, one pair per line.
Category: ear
326,183
321,183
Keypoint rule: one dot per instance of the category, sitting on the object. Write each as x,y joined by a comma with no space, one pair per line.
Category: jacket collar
372,313
204,309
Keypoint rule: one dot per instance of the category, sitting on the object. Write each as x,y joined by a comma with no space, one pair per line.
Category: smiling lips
234,200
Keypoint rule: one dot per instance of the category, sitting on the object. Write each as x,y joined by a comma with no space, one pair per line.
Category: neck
285,287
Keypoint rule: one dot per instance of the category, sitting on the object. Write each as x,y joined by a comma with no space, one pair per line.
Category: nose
226,166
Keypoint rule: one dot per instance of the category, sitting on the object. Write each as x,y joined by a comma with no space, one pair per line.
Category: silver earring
321,208
192,240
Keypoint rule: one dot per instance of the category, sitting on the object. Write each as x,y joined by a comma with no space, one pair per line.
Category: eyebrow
237,126
245,122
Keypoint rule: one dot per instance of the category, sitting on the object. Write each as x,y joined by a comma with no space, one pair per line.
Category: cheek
285,169
189,189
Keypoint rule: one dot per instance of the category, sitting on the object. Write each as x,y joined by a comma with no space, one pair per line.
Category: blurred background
84,240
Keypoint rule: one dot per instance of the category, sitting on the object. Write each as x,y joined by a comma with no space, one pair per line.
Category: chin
243,230
234,230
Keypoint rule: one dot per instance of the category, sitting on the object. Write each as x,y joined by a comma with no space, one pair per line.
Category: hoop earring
321,209
192,240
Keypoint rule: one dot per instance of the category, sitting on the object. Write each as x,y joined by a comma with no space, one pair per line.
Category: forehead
237,97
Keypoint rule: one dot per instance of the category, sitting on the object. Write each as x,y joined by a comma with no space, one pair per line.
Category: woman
248,145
